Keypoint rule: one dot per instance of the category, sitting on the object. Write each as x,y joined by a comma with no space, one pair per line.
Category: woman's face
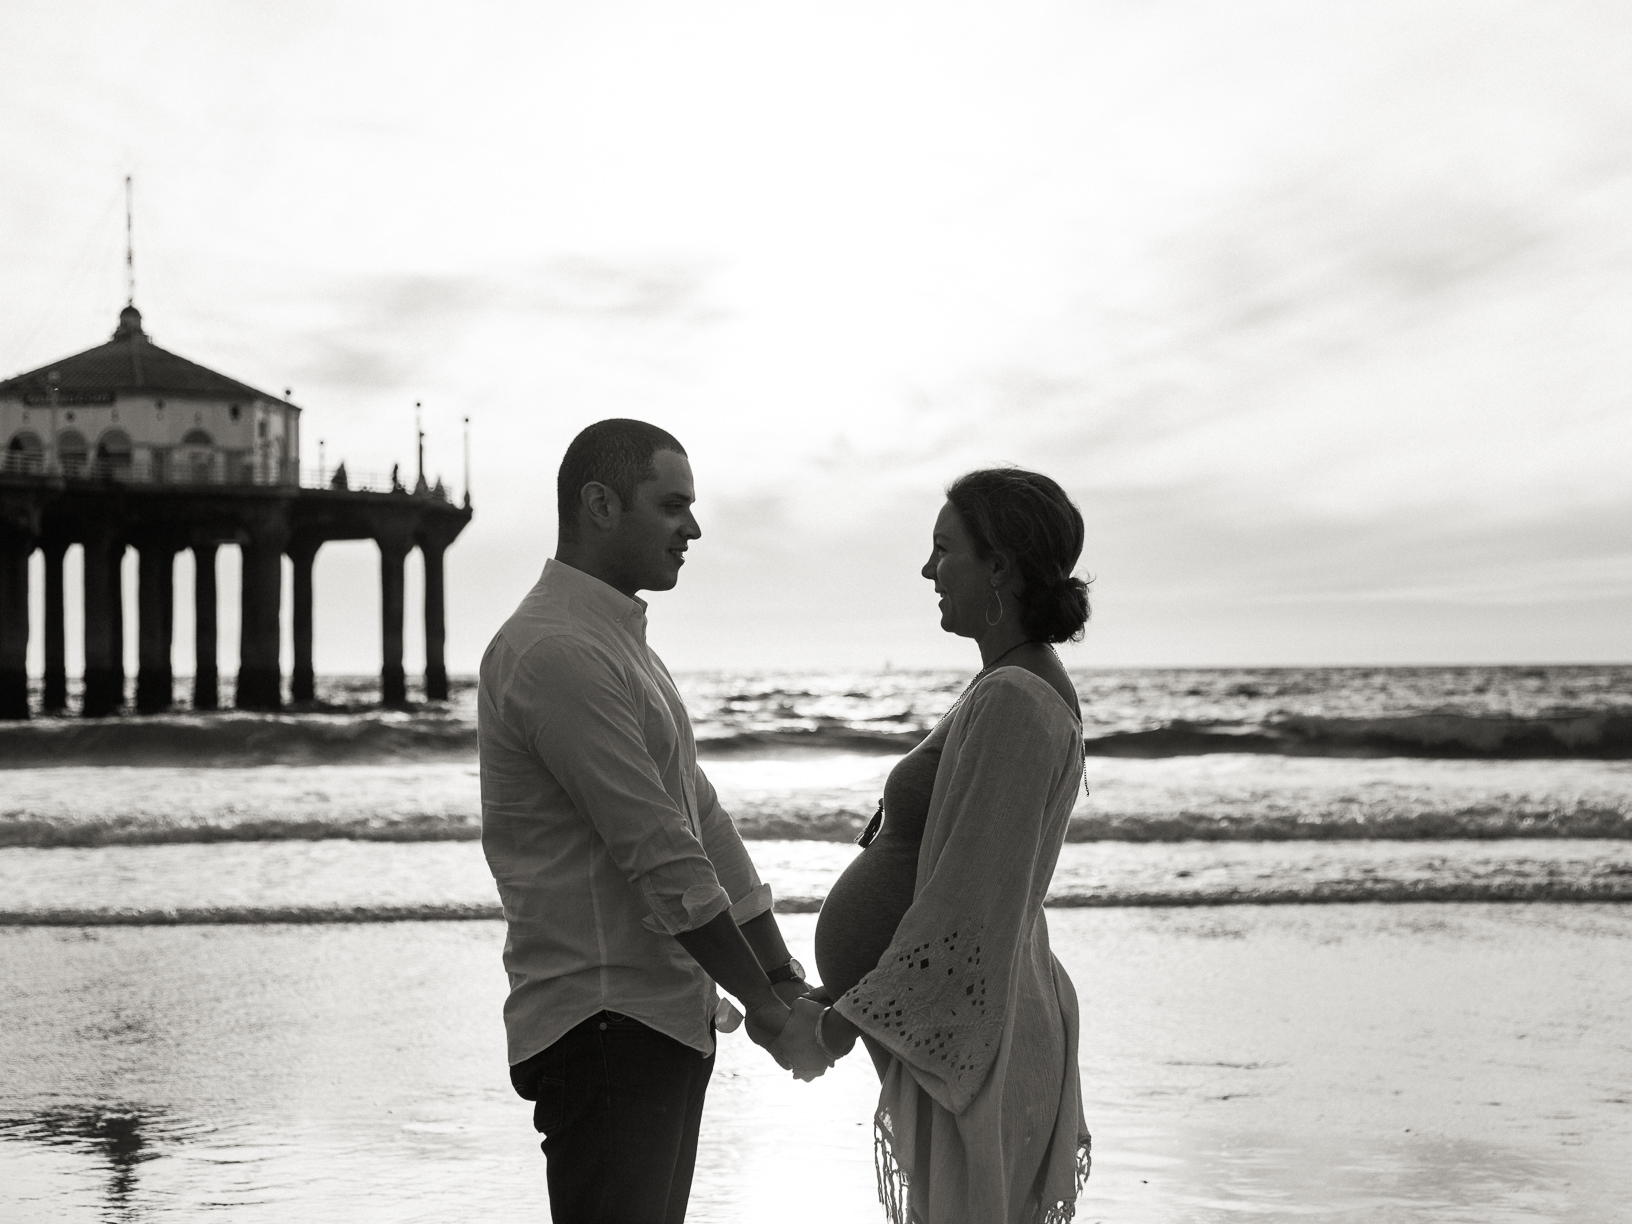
962,578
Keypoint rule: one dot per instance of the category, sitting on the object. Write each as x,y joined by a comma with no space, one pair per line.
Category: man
626,890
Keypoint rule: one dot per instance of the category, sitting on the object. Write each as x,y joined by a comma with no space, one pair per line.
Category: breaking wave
232,739
1340,821
382,737
1595,734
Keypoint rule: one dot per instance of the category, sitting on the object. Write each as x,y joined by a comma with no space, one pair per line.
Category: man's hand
765,1028
793,988
798,1045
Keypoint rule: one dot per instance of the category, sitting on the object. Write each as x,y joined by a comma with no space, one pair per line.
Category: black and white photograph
617,612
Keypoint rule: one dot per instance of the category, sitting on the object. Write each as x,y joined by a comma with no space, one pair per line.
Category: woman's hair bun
1059,610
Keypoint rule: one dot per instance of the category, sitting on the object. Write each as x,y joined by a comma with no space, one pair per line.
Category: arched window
113,455
73,453
24,453
199,456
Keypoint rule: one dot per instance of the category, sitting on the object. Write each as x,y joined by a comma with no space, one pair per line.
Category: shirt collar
596,595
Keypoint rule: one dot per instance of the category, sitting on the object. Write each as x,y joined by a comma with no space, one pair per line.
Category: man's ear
602,504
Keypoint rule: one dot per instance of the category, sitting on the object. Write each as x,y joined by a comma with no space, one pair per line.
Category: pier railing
219,469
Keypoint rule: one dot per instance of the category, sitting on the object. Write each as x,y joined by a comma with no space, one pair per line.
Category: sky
1322,313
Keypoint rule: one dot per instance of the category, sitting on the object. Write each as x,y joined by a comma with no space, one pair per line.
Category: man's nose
690,529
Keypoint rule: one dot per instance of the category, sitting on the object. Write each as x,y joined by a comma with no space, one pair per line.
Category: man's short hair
618,453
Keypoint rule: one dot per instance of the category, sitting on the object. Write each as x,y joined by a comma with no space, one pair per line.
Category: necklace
979,676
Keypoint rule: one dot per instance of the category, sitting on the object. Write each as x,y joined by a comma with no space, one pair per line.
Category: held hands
765,1026
792,1034
799,1044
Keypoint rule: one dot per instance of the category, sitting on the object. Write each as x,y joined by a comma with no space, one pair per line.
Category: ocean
1208,787
1349,943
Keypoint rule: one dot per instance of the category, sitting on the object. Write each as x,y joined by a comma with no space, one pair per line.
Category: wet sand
1399,1063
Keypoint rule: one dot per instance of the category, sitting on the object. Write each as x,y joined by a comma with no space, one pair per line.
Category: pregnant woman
932,946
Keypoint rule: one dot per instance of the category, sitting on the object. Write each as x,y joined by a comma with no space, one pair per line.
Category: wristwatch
793,971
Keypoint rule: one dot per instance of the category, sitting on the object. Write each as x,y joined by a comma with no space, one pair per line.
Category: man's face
652,532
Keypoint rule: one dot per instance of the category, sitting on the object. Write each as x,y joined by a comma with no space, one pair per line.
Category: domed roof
127,362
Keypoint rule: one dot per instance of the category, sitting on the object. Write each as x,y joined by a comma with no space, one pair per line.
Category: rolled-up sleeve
749,896
583,723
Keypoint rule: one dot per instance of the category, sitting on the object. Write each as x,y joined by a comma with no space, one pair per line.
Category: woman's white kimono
980,1118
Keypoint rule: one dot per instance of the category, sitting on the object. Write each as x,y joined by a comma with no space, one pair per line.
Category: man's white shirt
603,835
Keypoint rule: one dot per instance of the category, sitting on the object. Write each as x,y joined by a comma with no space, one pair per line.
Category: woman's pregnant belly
862,910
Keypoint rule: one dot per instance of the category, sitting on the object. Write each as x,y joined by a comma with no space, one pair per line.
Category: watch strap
793,971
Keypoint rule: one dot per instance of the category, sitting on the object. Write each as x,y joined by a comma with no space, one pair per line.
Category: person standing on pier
627,892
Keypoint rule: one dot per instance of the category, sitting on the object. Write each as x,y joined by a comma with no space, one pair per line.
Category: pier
129,446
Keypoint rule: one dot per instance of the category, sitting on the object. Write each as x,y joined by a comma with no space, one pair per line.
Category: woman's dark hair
619,453
1029,519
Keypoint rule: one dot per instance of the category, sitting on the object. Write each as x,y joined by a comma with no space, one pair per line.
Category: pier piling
104,684
206,681
54,698
260,678
302,680
393,682
436,671
155,622
15,548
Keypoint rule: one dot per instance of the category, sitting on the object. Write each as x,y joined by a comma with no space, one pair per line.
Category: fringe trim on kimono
894,1190
895,1187
1063,1212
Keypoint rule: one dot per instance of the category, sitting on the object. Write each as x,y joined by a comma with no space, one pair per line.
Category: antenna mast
130,250
419,430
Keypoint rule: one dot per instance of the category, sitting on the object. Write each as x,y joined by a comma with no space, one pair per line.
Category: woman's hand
798,1044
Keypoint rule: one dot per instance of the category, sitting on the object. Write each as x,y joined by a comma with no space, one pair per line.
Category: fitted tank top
868,900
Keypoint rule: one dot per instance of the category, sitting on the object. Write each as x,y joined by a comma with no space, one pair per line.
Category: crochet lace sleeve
938,998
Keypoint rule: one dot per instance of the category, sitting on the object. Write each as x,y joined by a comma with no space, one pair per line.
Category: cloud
342,361
585,288
387,331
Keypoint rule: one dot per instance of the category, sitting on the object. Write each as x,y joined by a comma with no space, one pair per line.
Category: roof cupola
130,324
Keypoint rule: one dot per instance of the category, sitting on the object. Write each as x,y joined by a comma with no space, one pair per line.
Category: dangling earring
988,610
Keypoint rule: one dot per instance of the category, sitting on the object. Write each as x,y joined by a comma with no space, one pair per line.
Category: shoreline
337,881
1618,893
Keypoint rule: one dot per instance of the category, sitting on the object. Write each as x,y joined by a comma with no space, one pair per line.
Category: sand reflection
1417,1064
107,1144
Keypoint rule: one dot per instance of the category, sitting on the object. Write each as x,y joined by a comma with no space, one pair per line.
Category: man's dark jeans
619,1105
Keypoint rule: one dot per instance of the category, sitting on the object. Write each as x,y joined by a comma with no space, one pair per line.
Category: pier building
128,445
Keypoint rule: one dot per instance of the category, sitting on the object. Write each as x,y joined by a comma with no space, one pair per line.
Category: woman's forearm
835,1034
